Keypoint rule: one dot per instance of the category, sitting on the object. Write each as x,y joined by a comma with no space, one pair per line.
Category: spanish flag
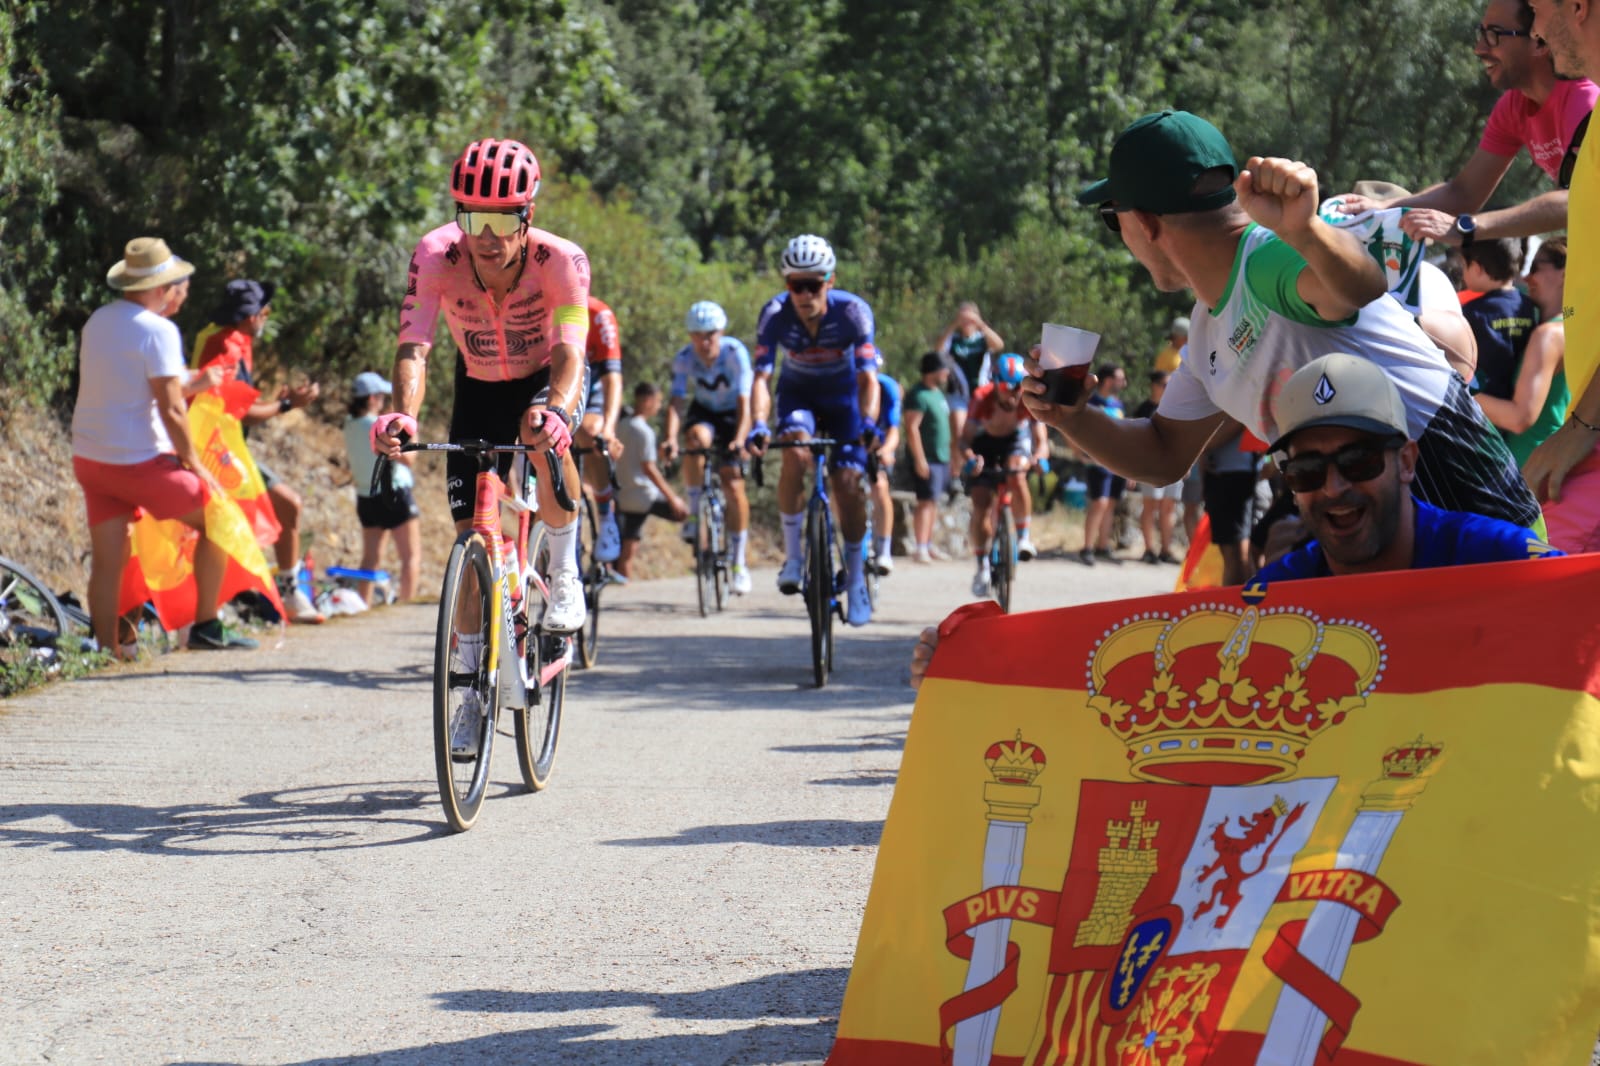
1350,821
214,423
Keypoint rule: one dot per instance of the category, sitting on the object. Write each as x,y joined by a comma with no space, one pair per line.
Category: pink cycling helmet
495,174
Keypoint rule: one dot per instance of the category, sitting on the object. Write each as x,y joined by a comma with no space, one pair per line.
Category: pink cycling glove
556,426
404,422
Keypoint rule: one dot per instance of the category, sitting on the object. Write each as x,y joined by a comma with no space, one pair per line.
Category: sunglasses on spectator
1490,34
1108,214
811,286
1357,462
499,223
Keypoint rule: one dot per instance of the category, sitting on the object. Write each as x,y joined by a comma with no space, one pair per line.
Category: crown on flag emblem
1223,696
1324,392
1014,762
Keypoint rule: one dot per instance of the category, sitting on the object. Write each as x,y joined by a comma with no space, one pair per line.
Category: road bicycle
29,611
596,574
1003,557
873,574
822,574
712,573
499,587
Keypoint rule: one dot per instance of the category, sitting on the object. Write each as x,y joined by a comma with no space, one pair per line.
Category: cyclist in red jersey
516,300
600,411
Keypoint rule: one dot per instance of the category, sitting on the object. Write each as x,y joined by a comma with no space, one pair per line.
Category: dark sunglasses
806,285
1108,214
499,223
1357,462
1490,34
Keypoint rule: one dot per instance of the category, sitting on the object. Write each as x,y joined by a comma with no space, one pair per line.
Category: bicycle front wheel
28,610
466,685
705,559
538,725
719,547
593,577
819,599
1004,565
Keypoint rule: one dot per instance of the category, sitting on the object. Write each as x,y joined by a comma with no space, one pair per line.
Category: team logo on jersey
452,254
1324,392
541,254
1212,362
1243,338
721,381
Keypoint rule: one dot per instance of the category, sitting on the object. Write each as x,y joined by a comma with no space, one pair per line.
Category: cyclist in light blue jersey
718,366
828,386
889,401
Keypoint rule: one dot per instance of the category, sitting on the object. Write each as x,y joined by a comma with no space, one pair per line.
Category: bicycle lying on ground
494,595
711,564
29,611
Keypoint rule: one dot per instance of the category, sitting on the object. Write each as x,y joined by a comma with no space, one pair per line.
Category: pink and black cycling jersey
549,306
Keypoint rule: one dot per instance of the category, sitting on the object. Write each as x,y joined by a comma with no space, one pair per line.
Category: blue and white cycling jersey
888,403
716,387
842,347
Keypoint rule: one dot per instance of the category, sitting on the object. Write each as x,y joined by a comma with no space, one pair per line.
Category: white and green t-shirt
1242,352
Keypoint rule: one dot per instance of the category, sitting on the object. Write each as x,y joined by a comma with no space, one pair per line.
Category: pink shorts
1573,525
160,486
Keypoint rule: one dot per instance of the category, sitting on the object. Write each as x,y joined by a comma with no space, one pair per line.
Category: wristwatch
1466,228
285,405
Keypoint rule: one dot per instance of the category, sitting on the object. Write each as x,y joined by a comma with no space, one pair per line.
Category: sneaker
739,580
1025,548
938,554
466,727
1168,557
885,564
790,576
691,530
1086,557
301,610
608,545
1104,554
980,584
565,612
922,556
1149,557
214,636
858,606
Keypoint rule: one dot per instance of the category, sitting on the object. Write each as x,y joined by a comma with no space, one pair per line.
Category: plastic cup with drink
1065,353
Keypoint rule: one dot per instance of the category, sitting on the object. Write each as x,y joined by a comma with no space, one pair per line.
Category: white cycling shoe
790,576
858,605
885,564
1025,548
608,545
739,578
466,727
565,613
980,584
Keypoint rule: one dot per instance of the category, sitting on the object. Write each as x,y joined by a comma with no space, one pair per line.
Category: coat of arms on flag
1340,825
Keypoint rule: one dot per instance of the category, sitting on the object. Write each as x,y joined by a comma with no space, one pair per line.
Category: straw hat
147,263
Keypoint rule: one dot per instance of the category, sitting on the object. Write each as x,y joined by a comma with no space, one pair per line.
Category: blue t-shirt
888,403
842,347
1501,321
1444,538
716,387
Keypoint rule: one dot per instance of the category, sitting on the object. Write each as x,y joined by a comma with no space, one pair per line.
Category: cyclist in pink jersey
516,299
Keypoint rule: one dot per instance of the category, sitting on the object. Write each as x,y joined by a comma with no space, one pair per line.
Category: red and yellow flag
1350,822
214,422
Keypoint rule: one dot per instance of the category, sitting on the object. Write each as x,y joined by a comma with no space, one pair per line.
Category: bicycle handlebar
815,445
558,480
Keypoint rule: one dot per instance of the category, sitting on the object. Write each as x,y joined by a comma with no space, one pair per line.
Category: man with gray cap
1276,287
1347,457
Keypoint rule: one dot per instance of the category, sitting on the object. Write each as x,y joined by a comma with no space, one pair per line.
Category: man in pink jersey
1537,110
516,300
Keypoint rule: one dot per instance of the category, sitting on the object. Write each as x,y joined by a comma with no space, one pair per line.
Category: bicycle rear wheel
538,725
1003,567
705,561
819,595
462,686
28,610
593,577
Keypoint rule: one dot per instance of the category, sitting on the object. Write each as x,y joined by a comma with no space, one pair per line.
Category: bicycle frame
820,449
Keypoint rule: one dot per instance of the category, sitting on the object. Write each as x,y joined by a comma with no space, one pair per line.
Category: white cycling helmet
808,254
705,317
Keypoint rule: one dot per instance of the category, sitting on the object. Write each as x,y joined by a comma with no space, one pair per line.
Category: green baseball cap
1156,161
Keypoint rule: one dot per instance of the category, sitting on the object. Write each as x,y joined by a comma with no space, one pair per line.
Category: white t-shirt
115,419
1243,352
636,493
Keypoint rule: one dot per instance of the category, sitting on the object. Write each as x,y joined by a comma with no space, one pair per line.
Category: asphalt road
240,858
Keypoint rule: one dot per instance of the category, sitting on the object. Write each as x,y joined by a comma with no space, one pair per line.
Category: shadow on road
323,818
815,833
404,677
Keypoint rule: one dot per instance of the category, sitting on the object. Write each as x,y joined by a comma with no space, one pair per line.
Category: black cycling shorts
491,411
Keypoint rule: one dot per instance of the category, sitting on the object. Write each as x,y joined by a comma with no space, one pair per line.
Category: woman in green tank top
1542,396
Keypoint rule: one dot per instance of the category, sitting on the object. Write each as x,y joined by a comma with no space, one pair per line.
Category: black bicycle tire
820,601
461,810
588,637
1005,558
536,747
719,547
48,615
869,557
705,564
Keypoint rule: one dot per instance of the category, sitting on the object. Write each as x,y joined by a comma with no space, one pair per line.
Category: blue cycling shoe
858,609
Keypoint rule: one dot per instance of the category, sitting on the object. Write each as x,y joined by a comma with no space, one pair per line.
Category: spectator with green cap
1275,288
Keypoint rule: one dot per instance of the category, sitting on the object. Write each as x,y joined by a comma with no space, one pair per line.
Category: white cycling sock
884,546
794,526
694,502
983,563
469,647
737,541
563,548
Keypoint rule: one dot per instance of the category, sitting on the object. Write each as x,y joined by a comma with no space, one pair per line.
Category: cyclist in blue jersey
719,368
828,386
889,396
